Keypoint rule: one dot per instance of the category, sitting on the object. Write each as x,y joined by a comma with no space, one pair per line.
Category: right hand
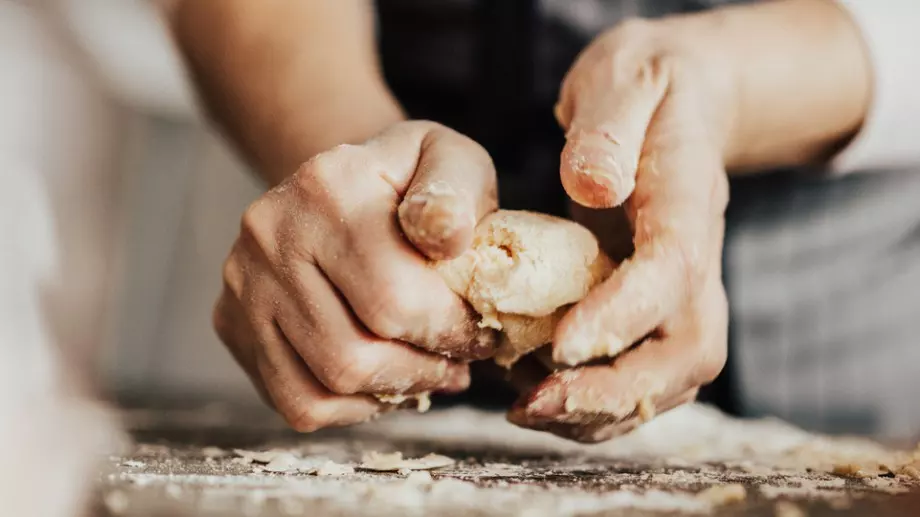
328,295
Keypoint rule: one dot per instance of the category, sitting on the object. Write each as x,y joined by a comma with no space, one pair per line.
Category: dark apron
491,69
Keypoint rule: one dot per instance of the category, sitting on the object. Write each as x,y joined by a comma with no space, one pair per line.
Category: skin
327,296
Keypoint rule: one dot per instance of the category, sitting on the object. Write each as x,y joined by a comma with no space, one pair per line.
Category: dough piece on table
522,273
394,462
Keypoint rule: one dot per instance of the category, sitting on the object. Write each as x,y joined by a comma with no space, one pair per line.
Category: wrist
345,115
787,94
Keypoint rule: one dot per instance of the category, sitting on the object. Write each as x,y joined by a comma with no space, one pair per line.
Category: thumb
606,114
453,187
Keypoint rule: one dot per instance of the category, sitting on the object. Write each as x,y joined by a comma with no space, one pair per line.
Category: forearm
800,79
286,80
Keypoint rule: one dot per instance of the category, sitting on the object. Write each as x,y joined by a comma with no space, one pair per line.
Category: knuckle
324,184
256,227
315,181
252,222
320,172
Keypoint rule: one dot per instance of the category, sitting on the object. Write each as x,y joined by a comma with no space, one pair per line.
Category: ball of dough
522,273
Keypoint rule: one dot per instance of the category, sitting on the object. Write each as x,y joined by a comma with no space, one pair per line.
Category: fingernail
546,402
601,172
433,217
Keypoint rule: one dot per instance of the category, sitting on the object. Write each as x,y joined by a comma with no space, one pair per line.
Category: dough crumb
646,409
282,463
422,400
851,470
395,462
788,509
909,471
331,468
723,494
263,457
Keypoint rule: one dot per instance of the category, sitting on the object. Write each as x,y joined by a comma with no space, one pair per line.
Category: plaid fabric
824,284
823,274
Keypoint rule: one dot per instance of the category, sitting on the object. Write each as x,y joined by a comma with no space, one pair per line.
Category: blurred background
118,186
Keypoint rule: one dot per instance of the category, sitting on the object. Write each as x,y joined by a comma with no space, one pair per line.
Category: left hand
646,121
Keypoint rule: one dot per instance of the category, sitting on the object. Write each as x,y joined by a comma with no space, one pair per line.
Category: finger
675,211
231,325
599,432
393,290
298,396
608,105
629,305
638,381
345,356
453,188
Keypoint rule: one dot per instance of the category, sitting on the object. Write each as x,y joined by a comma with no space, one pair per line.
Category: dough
522,273
422,400
394,462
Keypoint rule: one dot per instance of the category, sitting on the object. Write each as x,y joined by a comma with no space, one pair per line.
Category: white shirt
889,136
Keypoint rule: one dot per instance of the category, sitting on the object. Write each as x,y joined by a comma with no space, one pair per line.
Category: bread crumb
723,494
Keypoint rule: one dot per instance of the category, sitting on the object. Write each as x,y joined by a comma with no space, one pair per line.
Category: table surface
183,464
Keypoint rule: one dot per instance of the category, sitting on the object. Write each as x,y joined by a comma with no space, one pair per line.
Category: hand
646,121
326,301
